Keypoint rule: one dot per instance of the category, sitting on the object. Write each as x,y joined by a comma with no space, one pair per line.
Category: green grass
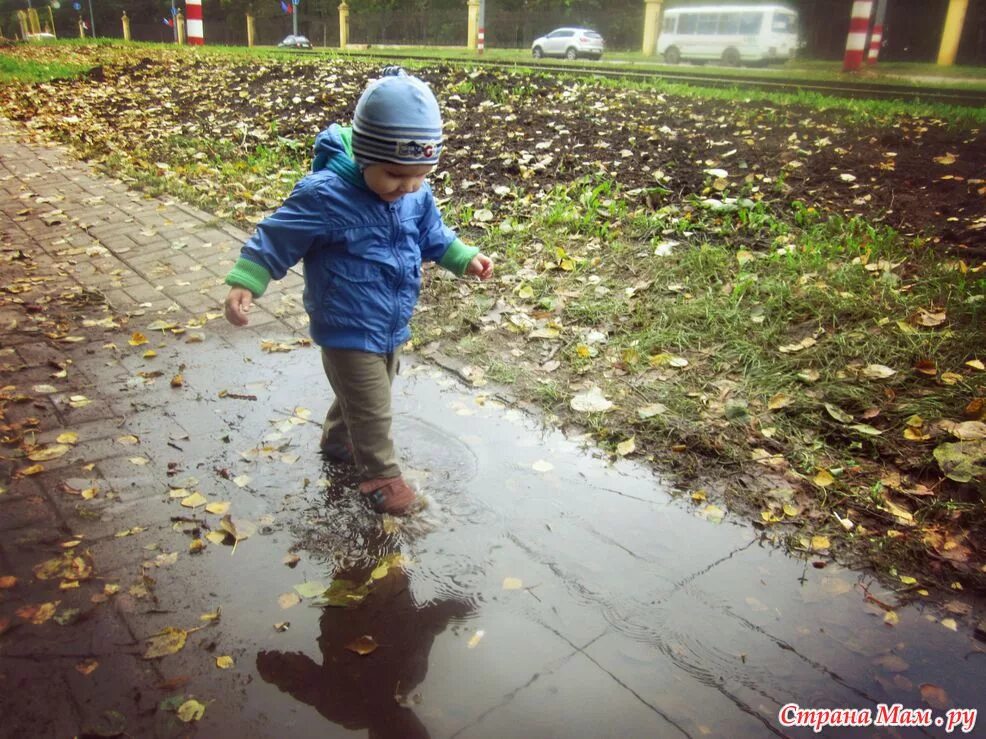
15,70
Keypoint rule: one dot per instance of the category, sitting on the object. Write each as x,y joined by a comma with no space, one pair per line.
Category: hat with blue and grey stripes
397,120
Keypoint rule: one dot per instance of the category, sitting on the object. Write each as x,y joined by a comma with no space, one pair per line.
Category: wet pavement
543,591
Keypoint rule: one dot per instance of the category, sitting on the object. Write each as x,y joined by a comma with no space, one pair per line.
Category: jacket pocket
355,295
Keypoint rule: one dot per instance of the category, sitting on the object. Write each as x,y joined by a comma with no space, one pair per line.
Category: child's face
393,181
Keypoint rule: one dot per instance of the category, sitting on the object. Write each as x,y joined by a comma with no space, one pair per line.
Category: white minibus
732,34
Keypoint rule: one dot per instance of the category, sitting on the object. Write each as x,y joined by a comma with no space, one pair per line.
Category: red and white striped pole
859,26
481,31
193,21
876,39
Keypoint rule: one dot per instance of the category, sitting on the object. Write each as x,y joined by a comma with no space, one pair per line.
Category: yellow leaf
128,440
216,537
86,666
137,338
908,580
167,642
475,639
287,600
224,662
947,159
698,496
220,509
177,381
791,510
512,583
778,401
626,447
69,437
820,543
150,354
823,478
52,452
890,618
363,646
191,710
194,500
976,365
211,615
949,623
310,589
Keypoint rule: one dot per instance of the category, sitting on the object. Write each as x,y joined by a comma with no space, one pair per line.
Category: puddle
542,591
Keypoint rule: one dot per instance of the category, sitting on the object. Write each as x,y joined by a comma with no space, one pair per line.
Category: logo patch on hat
409,149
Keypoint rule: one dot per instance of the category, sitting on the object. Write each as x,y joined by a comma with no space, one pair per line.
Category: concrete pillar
33,21
22,20
953,32
126,27
473,6
652,26
343,24
251,29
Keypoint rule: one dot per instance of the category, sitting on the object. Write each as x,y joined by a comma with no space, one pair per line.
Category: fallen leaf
363,646
86,666
288,600
169,641
52,452
878,371
310,589
218,508
823,478
137,338
512,583
626,447
194,500
591,401
224,662
191,710
778,401
935,696
475,639
542,466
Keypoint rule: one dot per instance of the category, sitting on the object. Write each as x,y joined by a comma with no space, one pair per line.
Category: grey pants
360,414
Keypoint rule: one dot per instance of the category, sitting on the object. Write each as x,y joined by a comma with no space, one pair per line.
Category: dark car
296,42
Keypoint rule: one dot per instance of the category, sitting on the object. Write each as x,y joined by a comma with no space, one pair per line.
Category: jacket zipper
395,247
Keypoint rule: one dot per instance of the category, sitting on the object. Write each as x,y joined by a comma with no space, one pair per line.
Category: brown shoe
389,495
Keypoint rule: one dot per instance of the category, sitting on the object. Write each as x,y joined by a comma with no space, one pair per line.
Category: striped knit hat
397,120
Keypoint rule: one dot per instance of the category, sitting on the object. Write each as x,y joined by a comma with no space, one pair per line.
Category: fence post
343,24
859,26
876,38
473,10
82,28
953,32
126,27
251,29
652,24
33,21
22,19
180,25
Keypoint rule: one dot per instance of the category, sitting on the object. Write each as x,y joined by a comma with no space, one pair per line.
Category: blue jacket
362,256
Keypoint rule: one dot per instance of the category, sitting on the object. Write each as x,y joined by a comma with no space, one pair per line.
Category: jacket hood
334,151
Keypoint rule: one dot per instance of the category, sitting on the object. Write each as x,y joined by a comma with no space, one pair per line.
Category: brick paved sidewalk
70,657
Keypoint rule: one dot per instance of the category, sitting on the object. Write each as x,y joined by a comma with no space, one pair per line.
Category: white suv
570,43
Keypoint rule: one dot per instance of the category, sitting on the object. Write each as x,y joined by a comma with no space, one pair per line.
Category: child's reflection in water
358,692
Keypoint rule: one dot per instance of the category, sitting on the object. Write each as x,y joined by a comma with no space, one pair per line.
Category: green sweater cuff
252,276
457,257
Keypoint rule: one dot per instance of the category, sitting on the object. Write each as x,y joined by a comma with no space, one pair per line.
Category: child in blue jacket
362,223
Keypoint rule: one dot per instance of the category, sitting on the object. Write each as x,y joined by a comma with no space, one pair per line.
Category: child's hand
481,266
237,306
